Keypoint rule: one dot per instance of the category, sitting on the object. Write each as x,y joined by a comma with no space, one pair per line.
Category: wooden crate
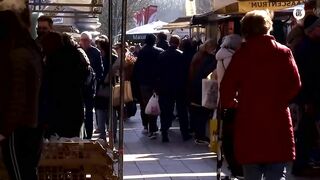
75,161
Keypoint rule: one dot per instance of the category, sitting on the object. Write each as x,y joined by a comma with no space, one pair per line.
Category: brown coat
20,90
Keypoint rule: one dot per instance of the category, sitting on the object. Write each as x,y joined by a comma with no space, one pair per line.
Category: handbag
103,91
209,93
127,93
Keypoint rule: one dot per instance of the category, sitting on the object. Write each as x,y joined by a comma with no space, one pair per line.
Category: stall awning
151,28
243,6
180,23
67,8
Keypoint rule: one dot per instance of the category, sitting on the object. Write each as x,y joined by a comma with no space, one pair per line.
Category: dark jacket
172,72
163,44
64,80
96,62
20,79
307,57
201,66
146,66
102,102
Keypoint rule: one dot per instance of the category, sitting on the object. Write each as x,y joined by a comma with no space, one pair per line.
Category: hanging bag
153,107
127,93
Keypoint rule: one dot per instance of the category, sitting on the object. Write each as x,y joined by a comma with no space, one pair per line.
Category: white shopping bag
209,93
153,107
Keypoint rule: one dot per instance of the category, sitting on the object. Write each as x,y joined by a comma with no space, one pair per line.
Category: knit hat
311,22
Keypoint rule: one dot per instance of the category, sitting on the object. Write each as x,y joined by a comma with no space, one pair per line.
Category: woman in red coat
264,78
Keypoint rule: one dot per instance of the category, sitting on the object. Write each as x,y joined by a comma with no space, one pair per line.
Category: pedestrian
307,58
90,90
263,78
102,98
230,44
20,76
203,63
64,75
45,25
162,41
145,78
173,75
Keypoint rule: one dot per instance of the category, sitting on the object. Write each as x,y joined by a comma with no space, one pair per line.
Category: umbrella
243,6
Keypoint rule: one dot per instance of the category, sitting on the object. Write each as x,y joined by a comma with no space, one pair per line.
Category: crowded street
159,89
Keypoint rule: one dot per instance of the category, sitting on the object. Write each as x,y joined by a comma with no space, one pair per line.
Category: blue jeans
103,120
268,171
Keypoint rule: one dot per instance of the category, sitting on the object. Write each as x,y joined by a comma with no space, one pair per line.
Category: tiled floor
153,160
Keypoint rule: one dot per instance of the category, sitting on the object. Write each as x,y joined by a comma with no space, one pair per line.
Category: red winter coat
265,75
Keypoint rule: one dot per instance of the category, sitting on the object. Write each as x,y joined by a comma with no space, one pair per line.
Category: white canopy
151,28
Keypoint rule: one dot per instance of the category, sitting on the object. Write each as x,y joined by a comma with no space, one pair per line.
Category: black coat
145,69
163,44
172,72
63,80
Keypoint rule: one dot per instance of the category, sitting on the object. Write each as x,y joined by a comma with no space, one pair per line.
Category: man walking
95,58
172,89
145,76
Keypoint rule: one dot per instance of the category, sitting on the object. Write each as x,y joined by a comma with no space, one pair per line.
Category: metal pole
111,116
121,120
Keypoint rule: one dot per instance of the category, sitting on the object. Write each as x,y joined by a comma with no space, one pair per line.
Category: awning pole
111,116
122,83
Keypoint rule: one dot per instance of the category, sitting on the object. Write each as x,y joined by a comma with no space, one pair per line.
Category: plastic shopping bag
153,107
209,93
213,124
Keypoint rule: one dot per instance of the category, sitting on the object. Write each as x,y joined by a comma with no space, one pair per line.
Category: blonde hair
257,22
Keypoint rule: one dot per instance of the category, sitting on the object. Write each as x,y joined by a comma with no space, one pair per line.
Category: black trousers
22,152
199,116
148,121
89,105
167,103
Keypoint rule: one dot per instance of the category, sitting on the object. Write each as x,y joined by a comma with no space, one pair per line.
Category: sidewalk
153,160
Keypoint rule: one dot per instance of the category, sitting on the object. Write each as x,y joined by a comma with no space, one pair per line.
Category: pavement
177,160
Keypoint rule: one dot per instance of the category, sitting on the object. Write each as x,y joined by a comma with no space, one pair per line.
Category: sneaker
202,142
145,131
152,135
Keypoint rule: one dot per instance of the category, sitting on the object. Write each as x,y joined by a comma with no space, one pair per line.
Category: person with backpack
263,78
21,136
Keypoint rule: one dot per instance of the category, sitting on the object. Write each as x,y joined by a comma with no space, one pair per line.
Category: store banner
243,6
246,6
151,14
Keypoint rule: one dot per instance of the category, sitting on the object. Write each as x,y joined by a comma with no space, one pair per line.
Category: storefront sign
246,6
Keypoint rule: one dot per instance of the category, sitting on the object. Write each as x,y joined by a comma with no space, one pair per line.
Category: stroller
225,145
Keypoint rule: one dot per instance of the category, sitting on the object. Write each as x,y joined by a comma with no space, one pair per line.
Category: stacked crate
75,161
